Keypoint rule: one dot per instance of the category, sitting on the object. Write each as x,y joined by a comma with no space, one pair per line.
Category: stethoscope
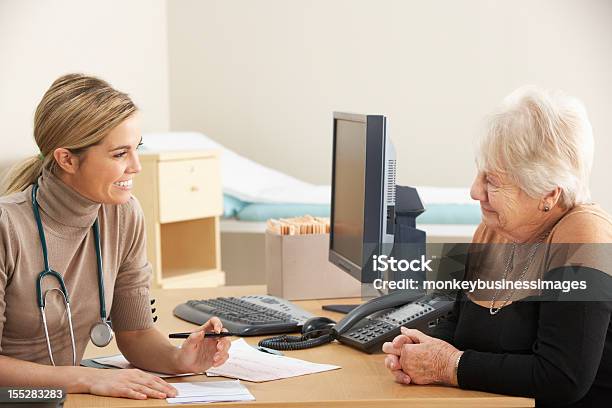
101,332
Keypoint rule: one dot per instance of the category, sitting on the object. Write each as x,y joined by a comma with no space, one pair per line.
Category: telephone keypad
371,330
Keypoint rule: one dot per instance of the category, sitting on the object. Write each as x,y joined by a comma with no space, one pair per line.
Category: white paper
214,391
249,364
118,361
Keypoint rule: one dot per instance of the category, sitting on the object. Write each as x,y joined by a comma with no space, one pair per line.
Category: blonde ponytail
22,175
76,112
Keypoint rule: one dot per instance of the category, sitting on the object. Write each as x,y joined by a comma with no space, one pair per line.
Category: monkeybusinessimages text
384,263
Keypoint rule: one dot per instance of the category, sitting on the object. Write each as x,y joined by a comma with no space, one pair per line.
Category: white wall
263,76
123,42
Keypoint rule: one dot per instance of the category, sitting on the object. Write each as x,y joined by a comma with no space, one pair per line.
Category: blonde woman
72,254
538,223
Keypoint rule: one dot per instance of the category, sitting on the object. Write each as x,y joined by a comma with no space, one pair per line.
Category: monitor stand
346,309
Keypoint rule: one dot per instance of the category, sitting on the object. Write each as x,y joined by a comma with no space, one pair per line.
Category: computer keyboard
251,315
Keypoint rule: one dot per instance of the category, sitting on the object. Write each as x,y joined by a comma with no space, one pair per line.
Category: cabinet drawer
189,189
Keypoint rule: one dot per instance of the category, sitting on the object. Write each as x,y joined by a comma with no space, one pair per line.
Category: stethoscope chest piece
101,334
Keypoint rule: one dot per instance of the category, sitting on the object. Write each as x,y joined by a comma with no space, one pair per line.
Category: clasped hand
414,357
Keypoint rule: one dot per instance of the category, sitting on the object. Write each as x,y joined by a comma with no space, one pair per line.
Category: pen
207,334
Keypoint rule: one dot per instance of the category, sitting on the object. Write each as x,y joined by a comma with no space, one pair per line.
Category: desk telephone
366,328
371,324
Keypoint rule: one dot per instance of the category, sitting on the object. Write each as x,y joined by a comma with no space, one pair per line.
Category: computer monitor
363,192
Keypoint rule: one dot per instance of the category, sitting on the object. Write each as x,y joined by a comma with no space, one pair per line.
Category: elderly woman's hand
414,357
392,360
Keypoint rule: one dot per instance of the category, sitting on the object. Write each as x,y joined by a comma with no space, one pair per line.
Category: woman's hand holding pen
197,353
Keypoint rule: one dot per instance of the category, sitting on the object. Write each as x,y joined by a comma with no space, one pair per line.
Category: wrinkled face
505,207
106,170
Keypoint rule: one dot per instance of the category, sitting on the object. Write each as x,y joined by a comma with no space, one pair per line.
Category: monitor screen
349,190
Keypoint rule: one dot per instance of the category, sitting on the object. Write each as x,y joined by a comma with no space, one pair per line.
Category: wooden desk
363,380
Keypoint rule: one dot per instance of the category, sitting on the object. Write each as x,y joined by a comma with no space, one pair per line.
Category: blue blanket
465,214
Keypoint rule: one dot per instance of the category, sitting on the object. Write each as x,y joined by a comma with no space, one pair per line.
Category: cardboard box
297,268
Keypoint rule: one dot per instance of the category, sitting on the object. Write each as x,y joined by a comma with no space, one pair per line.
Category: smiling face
104,172
505,207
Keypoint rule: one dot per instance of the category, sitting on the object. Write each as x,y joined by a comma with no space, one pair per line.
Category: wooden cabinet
180,194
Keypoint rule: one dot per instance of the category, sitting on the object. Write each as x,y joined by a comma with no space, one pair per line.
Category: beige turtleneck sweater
67,218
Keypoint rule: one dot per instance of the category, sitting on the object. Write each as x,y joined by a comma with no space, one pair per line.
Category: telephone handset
394,299
371,324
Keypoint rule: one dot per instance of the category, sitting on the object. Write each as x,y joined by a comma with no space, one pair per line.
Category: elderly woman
534,165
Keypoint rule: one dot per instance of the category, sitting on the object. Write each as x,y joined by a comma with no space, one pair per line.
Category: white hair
542,140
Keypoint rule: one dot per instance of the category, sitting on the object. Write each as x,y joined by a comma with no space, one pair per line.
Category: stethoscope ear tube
41,296
41,231
70,327
96,228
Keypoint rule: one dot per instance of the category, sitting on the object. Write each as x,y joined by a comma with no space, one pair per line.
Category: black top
558,352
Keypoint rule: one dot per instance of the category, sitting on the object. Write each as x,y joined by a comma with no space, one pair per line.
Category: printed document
214,391
249,364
